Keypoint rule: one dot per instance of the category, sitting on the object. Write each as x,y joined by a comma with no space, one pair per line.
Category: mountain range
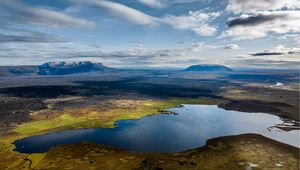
77,67
62,68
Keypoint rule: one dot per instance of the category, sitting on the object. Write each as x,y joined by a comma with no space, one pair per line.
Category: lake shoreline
185,130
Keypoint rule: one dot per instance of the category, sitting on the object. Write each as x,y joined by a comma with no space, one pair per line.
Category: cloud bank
44,17
261,24
122,11
278,50
250,6
197,22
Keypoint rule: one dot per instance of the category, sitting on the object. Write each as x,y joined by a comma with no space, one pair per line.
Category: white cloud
250,6
297,39
279,50
36,53
289,37
287,50
165,3
54,51
154,3
140,50
260,24
138,45
232,46
123,11
197,22
187,1
199,46
44,17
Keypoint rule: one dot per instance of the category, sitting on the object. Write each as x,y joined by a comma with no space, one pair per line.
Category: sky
151,33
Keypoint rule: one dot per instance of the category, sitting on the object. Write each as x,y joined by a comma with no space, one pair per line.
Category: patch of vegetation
35,158
43,125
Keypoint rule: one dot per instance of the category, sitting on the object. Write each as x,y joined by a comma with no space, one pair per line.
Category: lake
190,128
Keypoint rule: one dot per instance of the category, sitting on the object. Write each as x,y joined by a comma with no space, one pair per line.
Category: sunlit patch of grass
43,125
36,158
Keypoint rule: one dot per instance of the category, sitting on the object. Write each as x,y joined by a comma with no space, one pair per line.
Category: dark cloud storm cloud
254,20
267,53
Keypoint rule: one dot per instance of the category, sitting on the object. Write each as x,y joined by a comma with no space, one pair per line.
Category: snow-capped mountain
61,68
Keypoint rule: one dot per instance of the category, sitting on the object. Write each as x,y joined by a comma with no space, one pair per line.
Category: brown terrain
28,100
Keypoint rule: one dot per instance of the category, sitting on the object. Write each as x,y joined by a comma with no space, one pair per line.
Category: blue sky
151,33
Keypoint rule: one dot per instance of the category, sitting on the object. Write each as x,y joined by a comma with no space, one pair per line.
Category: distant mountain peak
69,63
72,67
208,67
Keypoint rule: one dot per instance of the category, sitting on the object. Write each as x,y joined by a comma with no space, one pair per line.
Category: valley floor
30,110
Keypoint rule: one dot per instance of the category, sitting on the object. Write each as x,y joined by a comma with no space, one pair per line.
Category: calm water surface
191,128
